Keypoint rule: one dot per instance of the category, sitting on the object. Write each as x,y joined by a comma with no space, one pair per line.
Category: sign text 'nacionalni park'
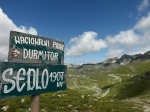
35,49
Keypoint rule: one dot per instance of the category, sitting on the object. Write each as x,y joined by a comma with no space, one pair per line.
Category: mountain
72,65
125,59
112,60
115,62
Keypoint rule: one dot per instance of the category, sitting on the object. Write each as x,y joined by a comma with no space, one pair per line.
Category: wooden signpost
35,66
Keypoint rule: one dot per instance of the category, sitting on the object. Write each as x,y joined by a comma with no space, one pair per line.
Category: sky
93,30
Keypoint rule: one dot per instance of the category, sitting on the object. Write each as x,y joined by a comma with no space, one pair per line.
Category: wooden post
35,103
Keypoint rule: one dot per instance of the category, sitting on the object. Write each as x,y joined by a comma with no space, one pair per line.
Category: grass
86,87
134,82
68,101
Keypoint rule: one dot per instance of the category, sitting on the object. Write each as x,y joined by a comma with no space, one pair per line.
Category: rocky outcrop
125,59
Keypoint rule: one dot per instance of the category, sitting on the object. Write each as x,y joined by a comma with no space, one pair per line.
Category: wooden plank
17,79
27,48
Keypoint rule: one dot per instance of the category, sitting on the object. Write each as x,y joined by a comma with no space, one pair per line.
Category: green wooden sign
17,79
27,48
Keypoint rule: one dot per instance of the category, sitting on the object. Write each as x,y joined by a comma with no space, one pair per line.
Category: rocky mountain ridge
123,60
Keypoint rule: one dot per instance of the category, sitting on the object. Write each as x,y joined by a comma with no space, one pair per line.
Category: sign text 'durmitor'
35,49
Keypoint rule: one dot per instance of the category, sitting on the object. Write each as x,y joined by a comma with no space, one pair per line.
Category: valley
115,87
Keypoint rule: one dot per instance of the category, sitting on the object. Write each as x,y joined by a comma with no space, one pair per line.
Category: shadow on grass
136,86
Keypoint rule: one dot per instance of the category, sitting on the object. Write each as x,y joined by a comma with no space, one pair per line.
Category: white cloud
85,43
131,41
143,25
114,52
135,40
141,50
121,43
6,25
144,4
125,38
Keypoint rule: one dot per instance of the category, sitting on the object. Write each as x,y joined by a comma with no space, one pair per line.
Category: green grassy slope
68,101
95,89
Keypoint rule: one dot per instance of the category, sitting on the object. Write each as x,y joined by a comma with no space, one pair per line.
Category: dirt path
116,77
107,91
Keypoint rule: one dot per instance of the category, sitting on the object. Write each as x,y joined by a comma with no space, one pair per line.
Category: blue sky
93,30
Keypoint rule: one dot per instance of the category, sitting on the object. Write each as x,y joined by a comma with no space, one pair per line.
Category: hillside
126,83
114,87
